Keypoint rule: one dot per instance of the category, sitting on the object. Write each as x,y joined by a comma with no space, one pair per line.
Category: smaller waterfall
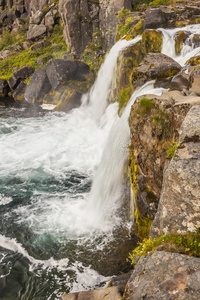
99,93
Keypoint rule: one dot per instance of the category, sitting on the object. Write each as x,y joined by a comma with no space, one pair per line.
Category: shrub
171,150
7,39
144,106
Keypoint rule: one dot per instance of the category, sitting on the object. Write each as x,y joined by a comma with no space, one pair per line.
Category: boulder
4,88
154,66
163,275
38,87
111,293
180,38
195,81
36,18
181,80
193,61
49,19
18,76
154,18
60,71
36,32
179,206
18,93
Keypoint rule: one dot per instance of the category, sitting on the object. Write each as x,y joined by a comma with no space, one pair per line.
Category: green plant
7,38
171,150
188,243
144,106
122,13
157,3
124,97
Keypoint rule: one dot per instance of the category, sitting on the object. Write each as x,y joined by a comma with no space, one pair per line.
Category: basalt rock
179,206
36,32
19,76
154,66
38,87
163,275
4,88
154,18
154,124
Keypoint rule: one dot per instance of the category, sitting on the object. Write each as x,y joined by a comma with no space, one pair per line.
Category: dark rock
154,66
181,80
38,87
60,71
38,45
19,75
18,93
36,32
163,275
4,88
154,18
179,205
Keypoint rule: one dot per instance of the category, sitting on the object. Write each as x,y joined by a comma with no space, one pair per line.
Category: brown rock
36,32
111,293
154,18
179,206
163,275
195,81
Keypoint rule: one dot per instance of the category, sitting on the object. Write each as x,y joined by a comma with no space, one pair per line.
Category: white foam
5,200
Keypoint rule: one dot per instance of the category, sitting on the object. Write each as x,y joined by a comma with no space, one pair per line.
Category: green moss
142,224
179,40
79,16
188,243
123,29
136,30
7,39
157,3
145,105
193,61
124,97
152,40
171,150
30,57
123,13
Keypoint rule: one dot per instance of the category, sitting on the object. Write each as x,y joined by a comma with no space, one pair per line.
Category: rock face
111,293
154,18
195,81
81,19
179,206
154,124
154,66
164,275
19,75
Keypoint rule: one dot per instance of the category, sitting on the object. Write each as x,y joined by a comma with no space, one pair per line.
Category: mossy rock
193,61
180,37
52,97
152,40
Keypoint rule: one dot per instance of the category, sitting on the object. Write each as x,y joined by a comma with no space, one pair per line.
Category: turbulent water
60,188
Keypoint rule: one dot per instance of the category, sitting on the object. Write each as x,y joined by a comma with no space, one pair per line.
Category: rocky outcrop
61,82
154,124
162,275
179,206
154,18
154,66
19,76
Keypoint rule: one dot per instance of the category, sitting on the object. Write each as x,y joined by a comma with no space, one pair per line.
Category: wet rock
179,206
163,275
154,66
154,18
181,80
36,32
38,87
18,93
18,76
195,81
4,88
111,293
180,38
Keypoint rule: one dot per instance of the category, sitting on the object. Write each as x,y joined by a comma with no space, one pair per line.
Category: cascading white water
47,164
